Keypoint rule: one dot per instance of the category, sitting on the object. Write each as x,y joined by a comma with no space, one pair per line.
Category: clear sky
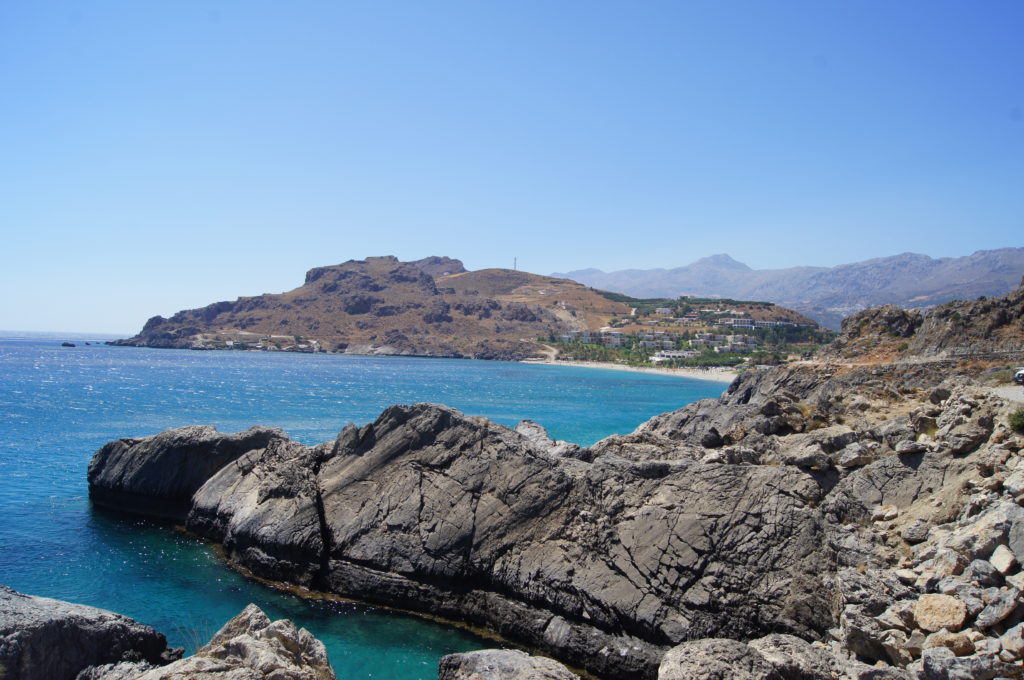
156,156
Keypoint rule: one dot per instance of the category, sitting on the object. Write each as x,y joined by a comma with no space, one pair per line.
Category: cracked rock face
603,563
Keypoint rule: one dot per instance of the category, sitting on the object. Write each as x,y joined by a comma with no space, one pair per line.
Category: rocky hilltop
827,294
430,307
856,516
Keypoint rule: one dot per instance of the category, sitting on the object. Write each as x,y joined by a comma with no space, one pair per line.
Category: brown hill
430,307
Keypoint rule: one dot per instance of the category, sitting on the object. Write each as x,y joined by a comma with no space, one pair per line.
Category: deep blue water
58,405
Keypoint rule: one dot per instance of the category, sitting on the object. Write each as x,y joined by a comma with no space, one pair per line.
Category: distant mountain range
826,294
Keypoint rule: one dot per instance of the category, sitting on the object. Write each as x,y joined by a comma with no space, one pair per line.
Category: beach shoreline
712,373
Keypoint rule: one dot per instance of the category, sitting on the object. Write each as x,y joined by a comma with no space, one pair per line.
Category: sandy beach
723,375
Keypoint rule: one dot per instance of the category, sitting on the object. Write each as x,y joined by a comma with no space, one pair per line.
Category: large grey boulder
157,475
44,639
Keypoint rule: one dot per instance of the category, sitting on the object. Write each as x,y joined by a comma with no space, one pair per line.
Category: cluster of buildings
666,345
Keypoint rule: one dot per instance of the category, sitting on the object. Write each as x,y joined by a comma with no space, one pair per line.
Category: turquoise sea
58,405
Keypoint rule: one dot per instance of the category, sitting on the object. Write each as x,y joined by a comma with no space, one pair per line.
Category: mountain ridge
827,294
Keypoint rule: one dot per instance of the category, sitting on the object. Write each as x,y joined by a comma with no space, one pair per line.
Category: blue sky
161,156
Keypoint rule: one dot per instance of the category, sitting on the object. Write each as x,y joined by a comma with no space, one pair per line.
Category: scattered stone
940,663
960,643
501,664
899,615
916,531
854,455
1013,641
908,446
1003,560
1016,539
906,575
983,573
935,612
915,643
948,563
999,608
885,513
1014,482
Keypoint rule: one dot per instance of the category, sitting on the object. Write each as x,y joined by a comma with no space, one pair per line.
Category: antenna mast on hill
515,261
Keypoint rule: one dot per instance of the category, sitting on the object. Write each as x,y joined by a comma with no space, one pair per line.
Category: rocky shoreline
856,518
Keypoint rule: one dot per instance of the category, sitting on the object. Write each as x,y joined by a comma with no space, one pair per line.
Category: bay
59,404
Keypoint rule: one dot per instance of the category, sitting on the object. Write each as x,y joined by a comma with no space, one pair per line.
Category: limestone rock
44,639
934,612
715,659
501,664
1003,560
252,646
795,659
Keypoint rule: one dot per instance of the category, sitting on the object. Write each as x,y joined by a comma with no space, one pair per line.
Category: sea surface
59,404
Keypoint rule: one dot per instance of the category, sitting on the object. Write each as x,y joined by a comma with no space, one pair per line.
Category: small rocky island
856,516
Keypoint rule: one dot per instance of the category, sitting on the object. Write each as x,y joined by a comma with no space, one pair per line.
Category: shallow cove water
59,404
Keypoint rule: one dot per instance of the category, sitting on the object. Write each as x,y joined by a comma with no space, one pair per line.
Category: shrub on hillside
1017,419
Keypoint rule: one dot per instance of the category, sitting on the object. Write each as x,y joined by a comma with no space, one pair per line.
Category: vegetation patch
1017,420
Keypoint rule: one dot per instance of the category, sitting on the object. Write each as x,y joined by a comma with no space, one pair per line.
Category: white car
1018,377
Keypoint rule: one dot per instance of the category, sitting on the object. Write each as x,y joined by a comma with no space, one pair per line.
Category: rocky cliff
430,307
842,518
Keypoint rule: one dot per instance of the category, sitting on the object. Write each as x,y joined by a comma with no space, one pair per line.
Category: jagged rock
252,646
596,562
501,664
44,639
899,615
1015,539
934,612
1001,605
987,530
983,573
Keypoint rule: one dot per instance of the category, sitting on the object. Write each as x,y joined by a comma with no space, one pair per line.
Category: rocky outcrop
248,646
603,563
44,639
